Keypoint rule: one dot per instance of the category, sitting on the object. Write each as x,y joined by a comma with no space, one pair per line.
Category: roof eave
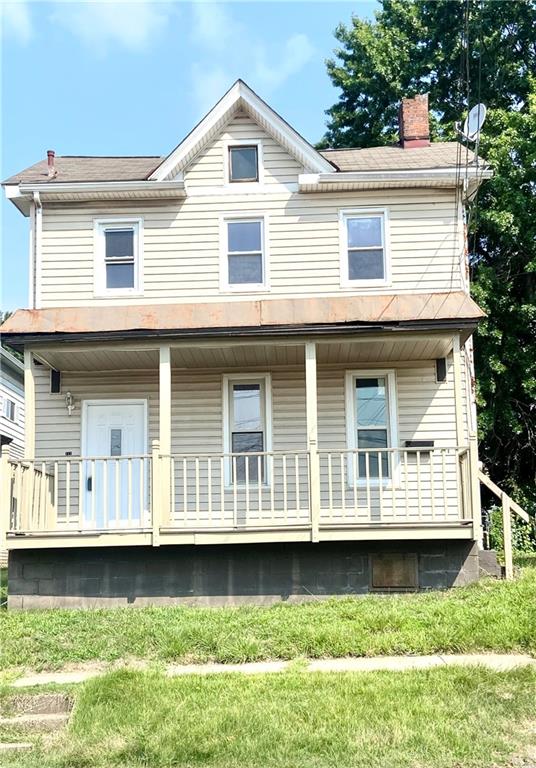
439,177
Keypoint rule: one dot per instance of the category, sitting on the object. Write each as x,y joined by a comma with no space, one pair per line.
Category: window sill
248,288
130,292
360,284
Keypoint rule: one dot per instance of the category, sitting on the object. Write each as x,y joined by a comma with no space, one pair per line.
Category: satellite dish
474,122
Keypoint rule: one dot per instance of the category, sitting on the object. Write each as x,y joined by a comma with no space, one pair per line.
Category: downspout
37,235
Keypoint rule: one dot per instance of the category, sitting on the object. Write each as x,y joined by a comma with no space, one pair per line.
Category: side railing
218,491
75,493
509,506
240,490
394,485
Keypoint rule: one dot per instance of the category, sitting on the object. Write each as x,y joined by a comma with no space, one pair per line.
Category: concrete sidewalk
495,661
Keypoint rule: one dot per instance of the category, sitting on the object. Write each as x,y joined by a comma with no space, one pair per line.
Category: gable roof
241,97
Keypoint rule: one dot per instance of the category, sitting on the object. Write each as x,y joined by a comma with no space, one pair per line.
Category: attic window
243,163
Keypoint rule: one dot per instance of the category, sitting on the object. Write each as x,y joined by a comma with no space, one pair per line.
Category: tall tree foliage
462,52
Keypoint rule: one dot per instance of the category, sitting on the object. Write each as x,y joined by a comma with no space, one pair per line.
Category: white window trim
244,186
225,286
255,378
354,213
99,227
351,430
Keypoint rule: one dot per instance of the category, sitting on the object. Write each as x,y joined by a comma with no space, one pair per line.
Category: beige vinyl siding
207,169
181,240
57,433
182,245
425,408
425,411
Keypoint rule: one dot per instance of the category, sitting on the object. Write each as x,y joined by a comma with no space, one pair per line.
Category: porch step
40,704
41,723
15,746
488,564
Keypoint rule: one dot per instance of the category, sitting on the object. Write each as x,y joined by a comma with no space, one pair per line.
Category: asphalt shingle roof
391,158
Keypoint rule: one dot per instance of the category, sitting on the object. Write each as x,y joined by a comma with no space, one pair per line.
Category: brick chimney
50,158
414,128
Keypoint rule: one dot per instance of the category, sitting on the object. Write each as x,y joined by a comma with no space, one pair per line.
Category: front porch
308,480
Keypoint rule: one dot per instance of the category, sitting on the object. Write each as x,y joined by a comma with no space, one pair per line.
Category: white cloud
297,51
213,27
230,51
16,20
104,23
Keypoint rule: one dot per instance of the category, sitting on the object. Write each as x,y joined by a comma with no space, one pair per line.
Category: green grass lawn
441,718
488,616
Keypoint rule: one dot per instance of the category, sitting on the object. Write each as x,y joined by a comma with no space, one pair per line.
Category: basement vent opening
394,570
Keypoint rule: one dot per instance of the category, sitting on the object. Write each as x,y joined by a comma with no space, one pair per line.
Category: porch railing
237,491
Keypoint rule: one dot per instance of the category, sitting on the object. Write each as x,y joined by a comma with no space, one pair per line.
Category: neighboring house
11,403
248,369
11,412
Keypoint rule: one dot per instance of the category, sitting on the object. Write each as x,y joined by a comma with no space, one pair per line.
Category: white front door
114,475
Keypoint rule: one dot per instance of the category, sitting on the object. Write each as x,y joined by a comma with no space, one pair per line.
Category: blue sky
113,78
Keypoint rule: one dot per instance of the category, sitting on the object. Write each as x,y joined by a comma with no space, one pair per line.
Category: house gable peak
240,98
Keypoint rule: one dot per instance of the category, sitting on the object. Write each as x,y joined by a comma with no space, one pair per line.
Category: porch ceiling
267,355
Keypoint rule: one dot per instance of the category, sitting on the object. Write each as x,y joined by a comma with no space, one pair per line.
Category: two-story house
247,369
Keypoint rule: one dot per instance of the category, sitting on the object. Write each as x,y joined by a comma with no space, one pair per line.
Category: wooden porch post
312,435
5,495
29,406
507,536
163,513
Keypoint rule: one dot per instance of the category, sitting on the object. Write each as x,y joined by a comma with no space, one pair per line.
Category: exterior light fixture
69,402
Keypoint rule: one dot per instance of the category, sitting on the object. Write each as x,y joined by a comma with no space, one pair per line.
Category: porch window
363,254
372,422
245,267
118,254
247,427
10,409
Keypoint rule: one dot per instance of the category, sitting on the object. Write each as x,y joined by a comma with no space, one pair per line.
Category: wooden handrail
500,494
508,506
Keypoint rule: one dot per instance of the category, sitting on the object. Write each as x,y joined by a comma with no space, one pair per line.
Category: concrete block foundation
231,574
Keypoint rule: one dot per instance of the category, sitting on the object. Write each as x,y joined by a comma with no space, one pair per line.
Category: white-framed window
118,256
243,162
247,427
371,423
364,239
244,262
10,409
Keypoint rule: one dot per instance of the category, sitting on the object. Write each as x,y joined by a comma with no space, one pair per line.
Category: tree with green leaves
462,52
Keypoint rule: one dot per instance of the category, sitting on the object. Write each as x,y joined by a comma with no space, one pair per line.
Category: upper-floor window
364,256
10,409
243,163
118,256
244,266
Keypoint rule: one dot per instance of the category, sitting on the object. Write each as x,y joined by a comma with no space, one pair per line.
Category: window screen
365,248
243,164
245,252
